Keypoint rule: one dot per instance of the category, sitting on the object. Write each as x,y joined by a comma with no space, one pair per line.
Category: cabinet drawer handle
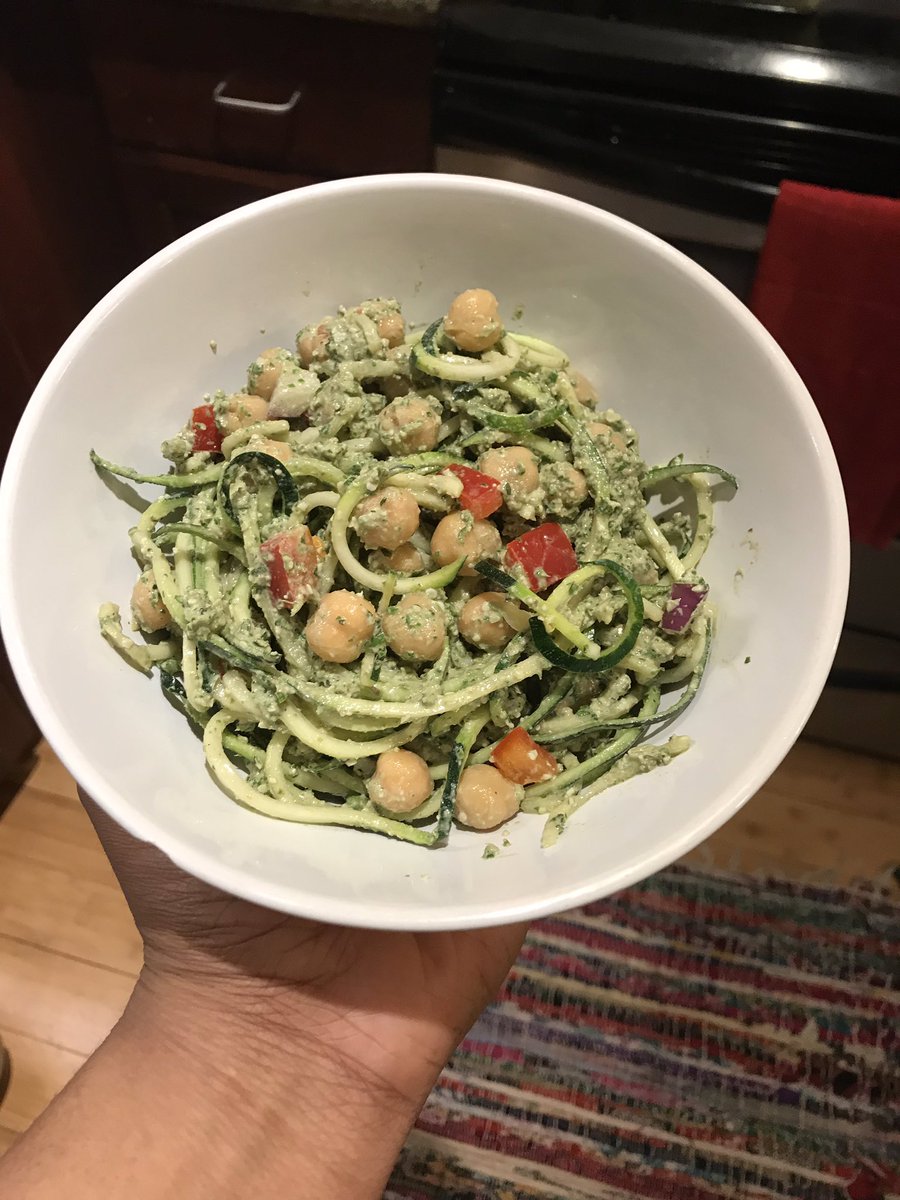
259,106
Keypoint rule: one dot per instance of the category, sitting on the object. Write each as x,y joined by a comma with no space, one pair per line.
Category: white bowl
669,346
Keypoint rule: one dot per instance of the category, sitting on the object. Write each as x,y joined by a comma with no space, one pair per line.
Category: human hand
363,1019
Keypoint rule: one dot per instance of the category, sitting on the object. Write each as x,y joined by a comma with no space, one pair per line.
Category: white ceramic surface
668,346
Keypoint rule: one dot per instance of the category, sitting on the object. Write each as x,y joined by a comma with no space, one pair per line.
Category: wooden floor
69,951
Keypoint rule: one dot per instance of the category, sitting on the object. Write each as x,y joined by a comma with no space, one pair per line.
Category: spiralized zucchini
320,584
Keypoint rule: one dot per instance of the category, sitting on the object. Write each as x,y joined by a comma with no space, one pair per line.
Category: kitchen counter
411,13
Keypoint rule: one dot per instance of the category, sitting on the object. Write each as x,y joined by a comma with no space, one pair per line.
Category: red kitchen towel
828,290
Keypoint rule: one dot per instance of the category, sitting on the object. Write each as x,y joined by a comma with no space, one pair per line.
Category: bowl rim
410,917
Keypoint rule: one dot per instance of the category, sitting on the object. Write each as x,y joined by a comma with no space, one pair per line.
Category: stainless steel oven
684,116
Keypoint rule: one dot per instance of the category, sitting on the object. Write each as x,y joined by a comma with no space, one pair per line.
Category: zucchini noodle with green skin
402,579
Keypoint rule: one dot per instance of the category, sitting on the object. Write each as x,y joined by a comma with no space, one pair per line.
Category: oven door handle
503,39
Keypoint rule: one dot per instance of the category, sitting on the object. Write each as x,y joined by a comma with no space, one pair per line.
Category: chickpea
238,411
605,433
392,328
387,318
516,469
387,518
409,424
458,534
414,629
473,320
482,623
584,389
485,798
147,607
565,486
266,371
280,450
401,781
340,627
312,344
406,560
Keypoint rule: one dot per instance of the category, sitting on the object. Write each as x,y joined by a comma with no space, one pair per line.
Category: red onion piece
683,599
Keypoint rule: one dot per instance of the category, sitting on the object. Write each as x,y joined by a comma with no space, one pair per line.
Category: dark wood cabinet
62,242
210,107
167,195
271,89
123,126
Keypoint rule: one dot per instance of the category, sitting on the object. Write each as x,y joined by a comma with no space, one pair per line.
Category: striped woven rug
699,1036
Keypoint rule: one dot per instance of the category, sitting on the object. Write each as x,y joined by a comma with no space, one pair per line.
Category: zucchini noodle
280,787
542,794
346,750
661,549
428,572
315,500
705,520
262,429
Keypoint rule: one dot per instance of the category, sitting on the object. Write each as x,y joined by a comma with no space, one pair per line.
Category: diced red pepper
292,558
206,433
481,494
522,760
545,555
